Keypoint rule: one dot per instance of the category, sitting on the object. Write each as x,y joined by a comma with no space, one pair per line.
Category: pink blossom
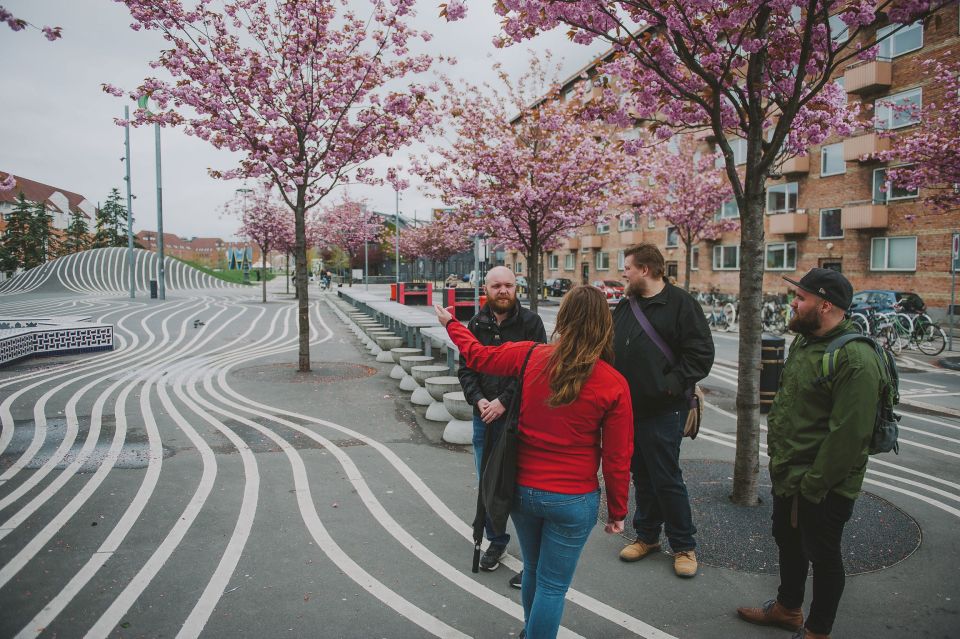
10,182
19,24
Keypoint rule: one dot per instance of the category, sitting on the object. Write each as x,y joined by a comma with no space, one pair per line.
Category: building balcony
591,241
572,243
796,165
864,145
863,215
789,223
629,238
875,75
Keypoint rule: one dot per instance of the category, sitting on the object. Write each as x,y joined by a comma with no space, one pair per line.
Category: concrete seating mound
437,387
373,346
397,371
420,375
406,363
459,430
386,343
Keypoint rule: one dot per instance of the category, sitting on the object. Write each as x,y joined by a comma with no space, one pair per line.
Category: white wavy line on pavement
583,600
132,514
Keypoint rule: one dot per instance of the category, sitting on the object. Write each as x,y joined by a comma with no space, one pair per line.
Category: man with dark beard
660,384
818,438
501,319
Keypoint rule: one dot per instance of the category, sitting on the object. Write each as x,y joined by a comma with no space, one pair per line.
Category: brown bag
692,426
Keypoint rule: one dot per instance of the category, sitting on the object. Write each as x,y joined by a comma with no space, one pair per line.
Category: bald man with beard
501,320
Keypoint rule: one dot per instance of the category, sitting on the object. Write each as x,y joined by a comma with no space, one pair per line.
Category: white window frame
739,148
602,261
830,237
695,257
627,223
651,222
518,267
620,260
832,148
787,191
569,261
887,194
887,49
886,115
839,31
885,243
718,251
603,227
784,246
722,213
676,237
553,260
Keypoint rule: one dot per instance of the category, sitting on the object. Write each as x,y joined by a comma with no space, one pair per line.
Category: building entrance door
585,273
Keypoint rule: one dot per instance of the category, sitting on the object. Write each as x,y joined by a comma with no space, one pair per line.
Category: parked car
611,288
558,286
885,300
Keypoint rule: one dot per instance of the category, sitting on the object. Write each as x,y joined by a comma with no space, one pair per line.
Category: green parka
818,435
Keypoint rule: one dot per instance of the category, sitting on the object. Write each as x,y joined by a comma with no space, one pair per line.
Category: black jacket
520,326
656,387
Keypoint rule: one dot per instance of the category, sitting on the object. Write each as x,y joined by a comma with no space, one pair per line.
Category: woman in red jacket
575,411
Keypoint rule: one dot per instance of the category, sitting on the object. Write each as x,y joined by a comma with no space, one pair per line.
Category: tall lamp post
397,222
246,207
142,103
126,146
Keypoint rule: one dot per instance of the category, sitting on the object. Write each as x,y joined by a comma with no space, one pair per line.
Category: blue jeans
479,428
662,500
552,529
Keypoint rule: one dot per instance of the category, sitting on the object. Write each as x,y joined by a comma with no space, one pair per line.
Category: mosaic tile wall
55,342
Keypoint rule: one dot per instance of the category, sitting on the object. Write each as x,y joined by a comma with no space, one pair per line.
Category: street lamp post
126,146
397,222
246,207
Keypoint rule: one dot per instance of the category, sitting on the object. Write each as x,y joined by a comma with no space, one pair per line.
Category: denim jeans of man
479,429
662,500
552,529
816,540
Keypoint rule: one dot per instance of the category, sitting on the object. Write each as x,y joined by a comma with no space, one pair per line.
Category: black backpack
885,430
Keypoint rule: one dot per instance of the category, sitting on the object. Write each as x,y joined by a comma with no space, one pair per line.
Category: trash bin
771,365
153,289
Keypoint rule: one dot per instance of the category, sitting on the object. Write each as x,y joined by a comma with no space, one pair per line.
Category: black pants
816,540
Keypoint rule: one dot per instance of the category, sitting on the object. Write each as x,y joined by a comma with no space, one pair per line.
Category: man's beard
805,324
634,289
501,305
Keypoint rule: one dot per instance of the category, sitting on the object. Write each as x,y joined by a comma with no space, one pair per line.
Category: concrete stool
420,375
438,387
397,371
387,342
459,430
406,363
373,336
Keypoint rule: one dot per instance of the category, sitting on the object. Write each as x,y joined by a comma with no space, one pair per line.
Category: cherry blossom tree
8,183
681,185
19,24
931,151
307,90
435,242
348,225
265,221
526,167
758,76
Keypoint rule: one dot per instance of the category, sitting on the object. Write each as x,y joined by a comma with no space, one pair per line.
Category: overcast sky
56,125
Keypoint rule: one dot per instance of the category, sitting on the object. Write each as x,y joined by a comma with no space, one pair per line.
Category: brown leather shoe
637,551
685,564
773,614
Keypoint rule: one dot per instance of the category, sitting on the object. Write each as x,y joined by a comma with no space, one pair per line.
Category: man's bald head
500,273
501,285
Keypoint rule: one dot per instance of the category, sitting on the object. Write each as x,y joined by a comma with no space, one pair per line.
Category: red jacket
561,448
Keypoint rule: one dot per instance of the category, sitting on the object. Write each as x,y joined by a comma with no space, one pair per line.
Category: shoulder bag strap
651,331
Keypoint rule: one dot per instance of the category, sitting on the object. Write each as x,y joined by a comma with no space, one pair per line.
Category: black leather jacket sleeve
469,379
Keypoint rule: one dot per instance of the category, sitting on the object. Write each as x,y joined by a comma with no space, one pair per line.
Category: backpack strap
828,365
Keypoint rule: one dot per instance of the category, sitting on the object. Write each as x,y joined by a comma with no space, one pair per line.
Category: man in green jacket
818,438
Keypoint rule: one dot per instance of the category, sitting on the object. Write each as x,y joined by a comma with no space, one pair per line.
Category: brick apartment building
60,203
208,251
828,209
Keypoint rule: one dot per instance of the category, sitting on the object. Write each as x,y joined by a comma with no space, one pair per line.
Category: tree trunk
688,244
533,270
746,470
300,265
263,275
288,272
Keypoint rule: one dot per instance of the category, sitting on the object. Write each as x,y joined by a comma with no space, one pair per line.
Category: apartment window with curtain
893,254
782,198
726,258
553,260
568,261
603,227
673,237
782,256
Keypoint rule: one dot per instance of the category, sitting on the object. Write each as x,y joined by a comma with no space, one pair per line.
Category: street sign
956,252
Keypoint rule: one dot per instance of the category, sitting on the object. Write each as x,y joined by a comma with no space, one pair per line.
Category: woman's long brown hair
585,329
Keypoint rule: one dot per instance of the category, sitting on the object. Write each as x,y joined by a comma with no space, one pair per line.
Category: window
908,38
603,261
902,109
672,270
884,192
893,254
651,222
695,258
620,263
831,160
673,237
839,32
518,267
568,261
782,198
603,227
554,261
739,148
830,224
726,258
729,209
627,222
782,256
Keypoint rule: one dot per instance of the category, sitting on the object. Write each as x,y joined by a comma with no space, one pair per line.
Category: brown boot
638,550
773,614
